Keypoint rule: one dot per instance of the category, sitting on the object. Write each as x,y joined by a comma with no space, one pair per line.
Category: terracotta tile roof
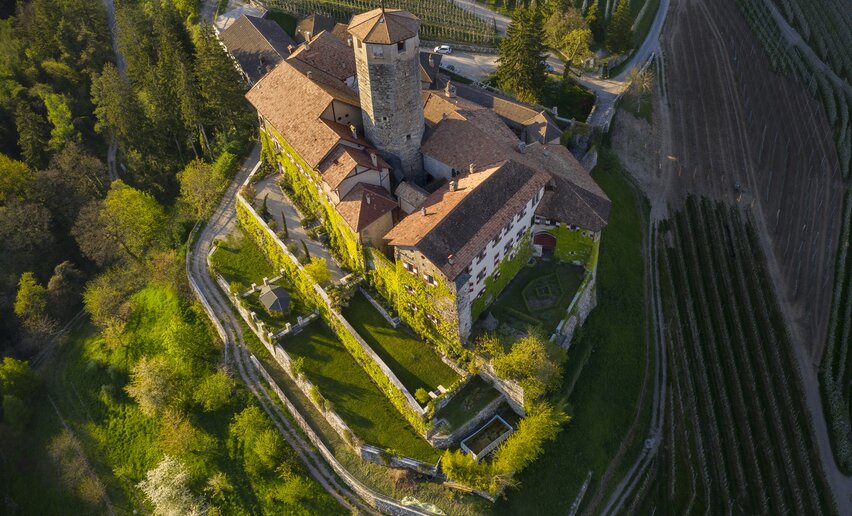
313,25
412,194
341,32
342,160
538,125
384,26
364,204
453,227
292,104
257,44
328,54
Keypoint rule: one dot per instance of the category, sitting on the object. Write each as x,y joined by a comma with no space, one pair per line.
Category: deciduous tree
167,487
317,269
200,186
534,362
152,385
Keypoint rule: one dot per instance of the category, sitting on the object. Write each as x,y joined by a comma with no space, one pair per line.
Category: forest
114,395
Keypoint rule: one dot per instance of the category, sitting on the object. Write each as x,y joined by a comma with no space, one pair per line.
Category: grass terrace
241,262
355,398
413,361
539,295
472,398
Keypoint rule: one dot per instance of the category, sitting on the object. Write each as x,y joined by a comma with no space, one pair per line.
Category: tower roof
384,27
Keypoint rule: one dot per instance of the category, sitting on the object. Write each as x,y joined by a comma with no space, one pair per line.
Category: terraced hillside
737,435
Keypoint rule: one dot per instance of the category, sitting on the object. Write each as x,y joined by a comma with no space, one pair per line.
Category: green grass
356,399
558,277
472,398
241,262
286,21
571,99
604,399
412,360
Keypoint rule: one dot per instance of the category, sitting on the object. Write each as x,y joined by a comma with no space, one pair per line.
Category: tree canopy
520,65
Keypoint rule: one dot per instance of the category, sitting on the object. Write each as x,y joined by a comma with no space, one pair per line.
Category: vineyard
831,39
737,436
441,20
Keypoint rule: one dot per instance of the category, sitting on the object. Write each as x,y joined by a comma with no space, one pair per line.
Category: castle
447,186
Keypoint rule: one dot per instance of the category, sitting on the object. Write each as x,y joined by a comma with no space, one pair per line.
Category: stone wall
454,437
513,392
584,301
393,321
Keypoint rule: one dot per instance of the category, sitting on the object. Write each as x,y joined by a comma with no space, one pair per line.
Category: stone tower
387,60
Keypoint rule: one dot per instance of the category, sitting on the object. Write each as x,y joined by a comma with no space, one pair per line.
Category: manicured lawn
241,262
604,399
471,399
355,397
540,294
412,360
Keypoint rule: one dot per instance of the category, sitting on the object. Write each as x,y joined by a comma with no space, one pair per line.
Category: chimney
374,159
453,185
353,130
471,168
290,49
555,110
310,74
307,39
522,147
369,199
423,210
451,259
349,41
443,116
432,60
450,90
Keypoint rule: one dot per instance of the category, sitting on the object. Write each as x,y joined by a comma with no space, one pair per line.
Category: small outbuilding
275,298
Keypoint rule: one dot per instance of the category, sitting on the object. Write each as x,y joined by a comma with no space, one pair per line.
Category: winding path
230,329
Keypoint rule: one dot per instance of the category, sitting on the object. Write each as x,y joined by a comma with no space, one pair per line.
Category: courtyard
538,295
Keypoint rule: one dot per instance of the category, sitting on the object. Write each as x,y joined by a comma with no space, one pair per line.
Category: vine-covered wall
439,302
497,281
343,241
315,297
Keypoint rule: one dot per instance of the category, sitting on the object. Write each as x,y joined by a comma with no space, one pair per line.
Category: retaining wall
513,392
454,437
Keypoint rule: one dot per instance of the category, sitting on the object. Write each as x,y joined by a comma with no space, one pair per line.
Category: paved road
230,328
278,206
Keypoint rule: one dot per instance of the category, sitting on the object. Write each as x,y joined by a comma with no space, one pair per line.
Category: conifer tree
619,35
595,22
520,68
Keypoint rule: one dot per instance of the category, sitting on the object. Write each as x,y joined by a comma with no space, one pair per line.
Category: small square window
400,47
378,51
407,137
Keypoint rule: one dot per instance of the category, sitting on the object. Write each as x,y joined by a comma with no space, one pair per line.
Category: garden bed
539,295
413,361
472,398
487,437
356,399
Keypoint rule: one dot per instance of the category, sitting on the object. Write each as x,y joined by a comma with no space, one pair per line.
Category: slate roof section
411,194
430,63
458,225
313,25
384,26
257,44
364,204
327,54
275,297
292,103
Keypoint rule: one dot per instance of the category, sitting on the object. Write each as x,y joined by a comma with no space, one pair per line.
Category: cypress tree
595,22
285,234
307,253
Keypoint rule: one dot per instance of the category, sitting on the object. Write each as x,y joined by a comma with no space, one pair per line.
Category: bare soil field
734,122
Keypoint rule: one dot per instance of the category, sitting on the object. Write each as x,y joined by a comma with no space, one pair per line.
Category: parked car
448,67
549,67
443,49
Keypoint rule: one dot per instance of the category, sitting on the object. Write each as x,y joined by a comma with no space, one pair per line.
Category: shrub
317,269
534,363
422,396
297,366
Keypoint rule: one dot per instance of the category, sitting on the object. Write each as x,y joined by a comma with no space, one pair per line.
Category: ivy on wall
573,245
497,280
306,286
435,318
343,242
